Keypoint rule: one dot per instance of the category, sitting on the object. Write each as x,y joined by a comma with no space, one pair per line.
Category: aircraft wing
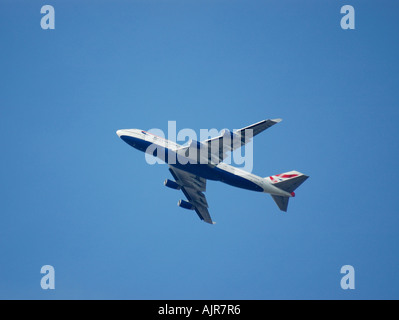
193,187
230,141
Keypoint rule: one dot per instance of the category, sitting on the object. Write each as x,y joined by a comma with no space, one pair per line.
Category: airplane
191,169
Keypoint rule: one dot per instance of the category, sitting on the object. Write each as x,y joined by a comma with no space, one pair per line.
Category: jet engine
172,184
185,204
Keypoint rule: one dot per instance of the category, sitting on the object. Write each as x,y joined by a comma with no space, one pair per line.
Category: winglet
277,120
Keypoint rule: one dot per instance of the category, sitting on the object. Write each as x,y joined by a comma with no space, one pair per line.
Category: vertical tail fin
288,182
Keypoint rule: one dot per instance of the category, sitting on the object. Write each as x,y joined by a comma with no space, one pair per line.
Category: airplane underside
191,178
205,171
214,173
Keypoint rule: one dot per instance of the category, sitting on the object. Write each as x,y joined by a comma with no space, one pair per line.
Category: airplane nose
119,133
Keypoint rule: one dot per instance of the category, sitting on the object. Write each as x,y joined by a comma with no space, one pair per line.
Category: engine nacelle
172,184
185,204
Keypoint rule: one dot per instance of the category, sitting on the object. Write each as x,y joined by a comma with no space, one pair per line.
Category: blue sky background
73,195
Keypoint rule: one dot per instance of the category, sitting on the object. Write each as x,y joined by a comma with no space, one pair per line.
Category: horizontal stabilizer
282,202
287,182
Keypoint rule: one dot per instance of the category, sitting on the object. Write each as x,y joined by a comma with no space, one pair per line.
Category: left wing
193,187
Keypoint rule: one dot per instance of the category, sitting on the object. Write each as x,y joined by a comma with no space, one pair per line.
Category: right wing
193,187
230,141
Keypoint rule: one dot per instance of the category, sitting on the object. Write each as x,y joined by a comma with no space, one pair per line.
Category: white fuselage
147,142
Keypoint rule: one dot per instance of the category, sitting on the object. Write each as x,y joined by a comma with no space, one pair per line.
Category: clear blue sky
73,195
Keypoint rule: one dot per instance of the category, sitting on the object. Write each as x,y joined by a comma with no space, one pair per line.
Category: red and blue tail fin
288,182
